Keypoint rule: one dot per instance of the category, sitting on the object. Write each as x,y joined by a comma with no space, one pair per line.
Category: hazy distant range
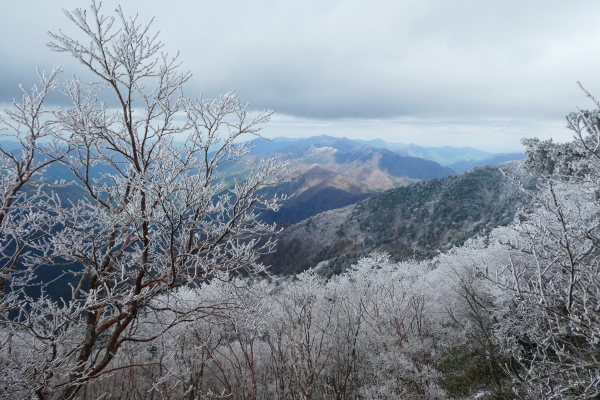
456,158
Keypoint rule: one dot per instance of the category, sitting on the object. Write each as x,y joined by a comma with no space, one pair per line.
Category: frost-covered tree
549,324
374,332
155,216
21,168
22,221
548,313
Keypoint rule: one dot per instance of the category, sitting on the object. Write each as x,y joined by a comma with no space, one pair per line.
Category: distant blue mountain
280,144
494,159
444,155
395,164
9,145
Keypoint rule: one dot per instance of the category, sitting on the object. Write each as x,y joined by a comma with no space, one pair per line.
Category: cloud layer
451,63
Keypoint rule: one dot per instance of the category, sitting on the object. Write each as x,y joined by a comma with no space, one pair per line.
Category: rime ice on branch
155,216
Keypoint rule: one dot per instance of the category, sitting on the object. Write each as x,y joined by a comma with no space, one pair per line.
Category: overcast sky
430,72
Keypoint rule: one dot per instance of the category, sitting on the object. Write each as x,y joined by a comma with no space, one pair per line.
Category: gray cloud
432,60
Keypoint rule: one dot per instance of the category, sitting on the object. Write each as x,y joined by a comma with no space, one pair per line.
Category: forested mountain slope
426,216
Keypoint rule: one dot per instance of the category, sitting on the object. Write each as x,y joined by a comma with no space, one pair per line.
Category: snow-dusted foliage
21,220
374,332
545,298
151,217
551,324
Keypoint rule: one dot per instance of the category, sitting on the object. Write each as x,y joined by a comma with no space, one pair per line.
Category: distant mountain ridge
494,159
356,160
443,155
337,173
374,165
